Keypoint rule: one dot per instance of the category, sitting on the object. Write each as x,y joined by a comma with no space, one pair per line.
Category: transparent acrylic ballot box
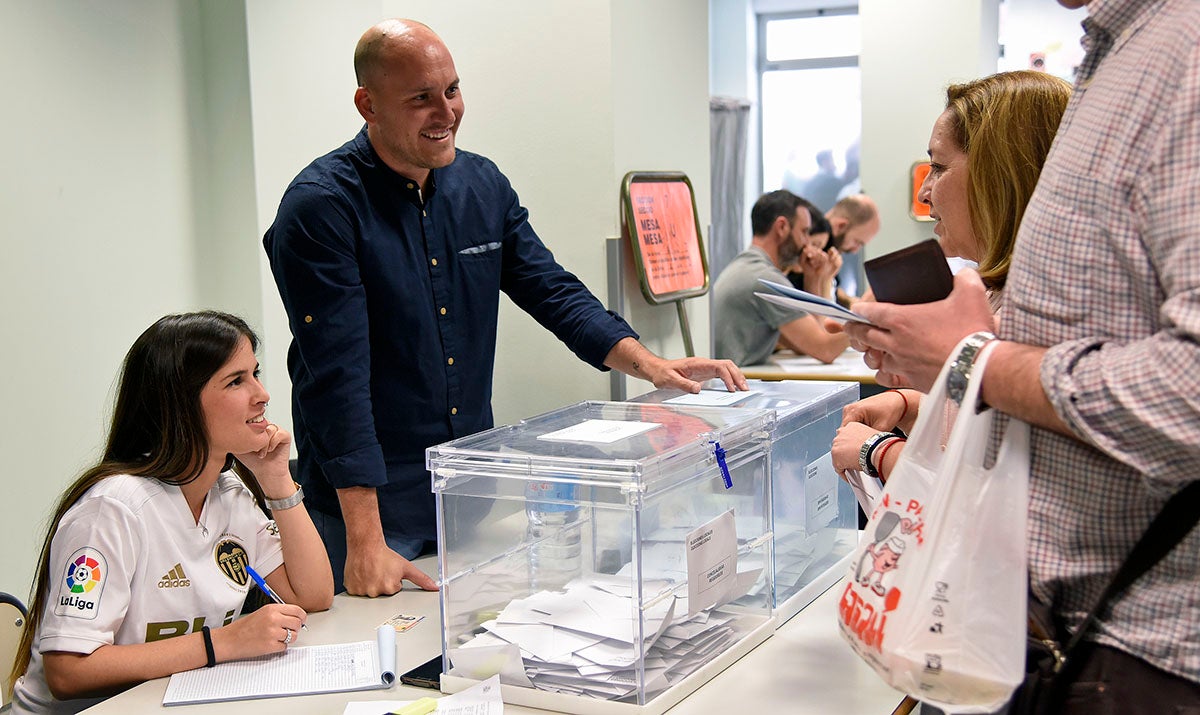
814,512
595,557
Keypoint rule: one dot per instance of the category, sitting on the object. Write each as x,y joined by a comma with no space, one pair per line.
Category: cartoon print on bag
863,616
883,554
884,557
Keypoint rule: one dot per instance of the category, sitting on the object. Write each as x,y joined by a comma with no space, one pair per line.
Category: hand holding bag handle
935,595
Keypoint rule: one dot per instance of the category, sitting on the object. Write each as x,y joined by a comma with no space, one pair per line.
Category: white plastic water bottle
553,533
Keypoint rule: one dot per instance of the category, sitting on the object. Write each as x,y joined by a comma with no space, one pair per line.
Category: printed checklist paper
304,670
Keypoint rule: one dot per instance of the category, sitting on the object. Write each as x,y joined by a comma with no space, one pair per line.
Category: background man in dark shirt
390,254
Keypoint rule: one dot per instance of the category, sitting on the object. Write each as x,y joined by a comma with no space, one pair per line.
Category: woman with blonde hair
146,564
986,153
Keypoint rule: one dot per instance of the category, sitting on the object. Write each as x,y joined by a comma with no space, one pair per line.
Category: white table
804,669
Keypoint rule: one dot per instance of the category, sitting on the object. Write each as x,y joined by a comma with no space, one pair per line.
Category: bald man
855,221
390,254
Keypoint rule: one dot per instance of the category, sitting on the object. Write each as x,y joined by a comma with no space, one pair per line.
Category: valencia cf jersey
131,564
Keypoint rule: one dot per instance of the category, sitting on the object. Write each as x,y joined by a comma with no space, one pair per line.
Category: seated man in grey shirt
747,329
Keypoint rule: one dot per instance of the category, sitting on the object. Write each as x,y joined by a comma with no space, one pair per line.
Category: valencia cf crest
231,558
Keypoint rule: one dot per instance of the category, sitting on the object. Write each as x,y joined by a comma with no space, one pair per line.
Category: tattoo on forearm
637,367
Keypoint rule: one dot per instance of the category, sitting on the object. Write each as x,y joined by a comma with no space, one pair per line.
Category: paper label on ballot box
711,562
599,431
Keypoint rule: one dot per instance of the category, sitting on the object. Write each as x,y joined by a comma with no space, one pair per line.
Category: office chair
12,621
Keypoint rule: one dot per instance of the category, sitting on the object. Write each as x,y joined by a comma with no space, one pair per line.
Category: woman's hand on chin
270,464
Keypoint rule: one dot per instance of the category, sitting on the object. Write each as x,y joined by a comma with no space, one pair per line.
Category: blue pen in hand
258,581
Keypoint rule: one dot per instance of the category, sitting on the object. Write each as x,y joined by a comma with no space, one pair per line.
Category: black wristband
864,453
208,648
887,439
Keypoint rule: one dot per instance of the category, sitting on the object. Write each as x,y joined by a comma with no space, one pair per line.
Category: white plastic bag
936,594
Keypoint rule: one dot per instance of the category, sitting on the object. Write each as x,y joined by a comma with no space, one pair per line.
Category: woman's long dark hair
158,427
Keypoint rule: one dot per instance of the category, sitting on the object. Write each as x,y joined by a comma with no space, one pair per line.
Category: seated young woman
986,152
144,569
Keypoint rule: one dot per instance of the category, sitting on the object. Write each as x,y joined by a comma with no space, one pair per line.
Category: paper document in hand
807,302
866,489
304,670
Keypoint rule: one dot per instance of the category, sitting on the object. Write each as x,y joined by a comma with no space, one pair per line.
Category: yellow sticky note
418,707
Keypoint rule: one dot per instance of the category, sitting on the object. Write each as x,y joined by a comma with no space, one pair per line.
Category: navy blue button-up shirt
392,299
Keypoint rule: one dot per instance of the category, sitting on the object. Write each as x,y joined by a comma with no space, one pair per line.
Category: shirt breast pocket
481,265
481,250
1066,247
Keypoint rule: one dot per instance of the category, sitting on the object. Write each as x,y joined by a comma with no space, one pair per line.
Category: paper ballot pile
583,641
588,638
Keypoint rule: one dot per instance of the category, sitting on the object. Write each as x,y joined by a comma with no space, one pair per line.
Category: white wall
1028,26
97,224
149,142
153,139
566,100
660,70
300,64
911,51
543,103
538,102
222,158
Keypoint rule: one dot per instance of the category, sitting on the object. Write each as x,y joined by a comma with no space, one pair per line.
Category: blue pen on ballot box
258,581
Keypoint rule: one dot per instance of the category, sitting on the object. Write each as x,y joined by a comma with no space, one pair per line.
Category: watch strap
864,453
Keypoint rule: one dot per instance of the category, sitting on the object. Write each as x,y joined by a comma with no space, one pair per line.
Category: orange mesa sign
664,230
918,210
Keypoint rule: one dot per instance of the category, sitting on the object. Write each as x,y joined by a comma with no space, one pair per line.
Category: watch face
956,385
960,372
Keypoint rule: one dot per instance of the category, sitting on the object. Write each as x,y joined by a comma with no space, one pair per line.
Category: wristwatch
960,370
286,502
864,453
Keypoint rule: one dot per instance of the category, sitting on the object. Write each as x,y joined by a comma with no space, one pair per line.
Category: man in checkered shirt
1099,349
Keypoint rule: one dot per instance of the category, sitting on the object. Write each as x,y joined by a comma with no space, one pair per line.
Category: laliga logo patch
82,584
231,558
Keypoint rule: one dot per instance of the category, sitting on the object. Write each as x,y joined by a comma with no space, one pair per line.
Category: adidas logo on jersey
175,578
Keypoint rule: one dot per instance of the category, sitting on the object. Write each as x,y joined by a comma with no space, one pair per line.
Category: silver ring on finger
288,639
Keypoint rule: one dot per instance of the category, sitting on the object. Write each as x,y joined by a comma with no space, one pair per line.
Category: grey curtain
728,126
